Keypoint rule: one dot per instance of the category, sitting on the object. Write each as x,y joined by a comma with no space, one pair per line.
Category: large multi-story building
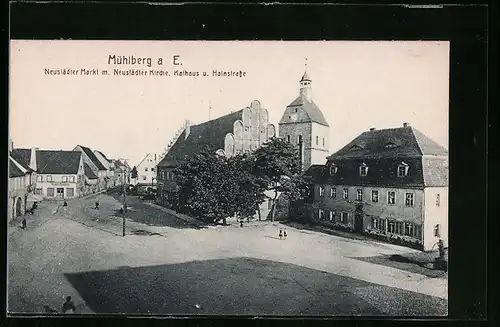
392,183
304,125
239,132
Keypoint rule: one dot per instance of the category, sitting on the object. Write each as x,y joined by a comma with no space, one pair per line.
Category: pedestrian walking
23,223
281,234
284,233
97,205
68,306
65,204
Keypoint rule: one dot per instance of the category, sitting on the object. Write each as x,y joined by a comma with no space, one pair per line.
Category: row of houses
389,183
36,174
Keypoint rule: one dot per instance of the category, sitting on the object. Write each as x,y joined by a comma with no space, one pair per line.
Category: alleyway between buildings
165,265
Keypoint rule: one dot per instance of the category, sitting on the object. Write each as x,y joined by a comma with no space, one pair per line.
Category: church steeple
306,85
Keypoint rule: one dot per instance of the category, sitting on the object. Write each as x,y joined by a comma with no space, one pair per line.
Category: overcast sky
357,85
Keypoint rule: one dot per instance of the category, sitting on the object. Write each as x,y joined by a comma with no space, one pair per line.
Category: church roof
209,136
305,77
314,114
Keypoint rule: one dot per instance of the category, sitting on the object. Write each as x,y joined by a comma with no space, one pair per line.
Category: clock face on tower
293,117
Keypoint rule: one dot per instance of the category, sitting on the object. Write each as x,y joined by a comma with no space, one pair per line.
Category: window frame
333,169
412,198
363,170
359,194
410,227
321,191
389,198
321,214
333,192
317,140
377,196
71,179
344,217
332,216
345,195
64,179
49,178
438,200
39,178
404,166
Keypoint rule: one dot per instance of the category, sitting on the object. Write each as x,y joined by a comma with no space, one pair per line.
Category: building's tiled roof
14,170
427,161
393,142
22,156
209,136
88,172
57,162
310,108
92,157
102,154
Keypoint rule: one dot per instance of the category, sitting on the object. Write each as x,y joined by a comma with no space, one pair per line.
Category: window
152,169
437,231
399,227
65,179
403,170
346,194
391,197
409,200
375,196
333,170
146,169
409,229
374,223
323,141
288,138
70,192
359,195
143,178
50,192
343,217
39,178
321,191
321,214
363,170
332,216
49,178
438,200
38,191
317,140
333,192
391,226
71,179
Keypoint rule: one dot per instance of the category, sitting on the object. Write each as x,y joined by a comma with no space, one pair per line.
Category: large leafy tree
207,187
277,163
250,188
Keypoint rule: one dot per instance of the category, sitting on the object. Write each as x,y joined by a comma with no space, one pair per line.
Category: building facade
391,184
304,125
89,157
19,181
239,132
109,172
146,172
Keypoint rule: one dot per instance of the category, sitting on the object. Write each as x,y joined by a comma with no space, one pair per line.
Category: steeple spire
305,77
305,84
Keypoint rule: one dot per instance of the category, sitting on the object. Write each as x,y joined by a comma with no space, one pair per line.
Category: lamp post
124,205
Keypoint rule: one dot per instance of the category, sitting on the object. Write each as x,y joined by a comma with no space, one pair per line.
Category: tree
277,163
207,187
134,172
250,188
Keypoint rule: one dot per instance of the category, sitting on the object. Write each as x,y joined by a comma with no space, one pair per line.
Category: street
164,265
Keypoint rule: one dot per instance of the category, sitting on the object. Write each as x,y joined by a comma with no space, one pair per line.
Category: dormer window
403,169
363,169
333,170
356,148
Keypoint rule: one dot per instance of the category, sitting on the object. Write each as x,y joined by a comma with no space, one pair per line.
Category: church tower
304,125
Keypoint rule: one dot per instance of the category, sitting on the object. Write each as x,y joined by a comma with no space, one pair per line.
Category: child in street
284,233
23,223
97,205
281,234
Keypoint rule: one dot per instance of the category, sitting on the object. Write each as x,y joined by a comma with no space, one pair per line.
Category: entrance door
60,192
358,223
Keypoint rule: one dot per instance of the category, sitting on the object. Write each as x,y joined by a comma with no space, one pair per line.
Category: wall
146,170
319,152
294,130
17,189
434,215
382,210
58,183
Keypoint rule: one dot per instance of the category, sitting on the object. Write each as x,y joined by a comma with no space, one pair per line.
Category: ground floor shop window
70,192
50,192
321,214
344,217
332,216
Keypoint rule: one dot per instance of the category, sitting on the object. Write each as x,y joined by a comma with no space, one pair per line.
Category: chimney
187,130
33,158
405,125
372,129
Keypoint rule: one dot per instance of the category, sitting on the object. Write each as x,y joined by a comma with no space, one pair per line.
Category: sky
357,85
